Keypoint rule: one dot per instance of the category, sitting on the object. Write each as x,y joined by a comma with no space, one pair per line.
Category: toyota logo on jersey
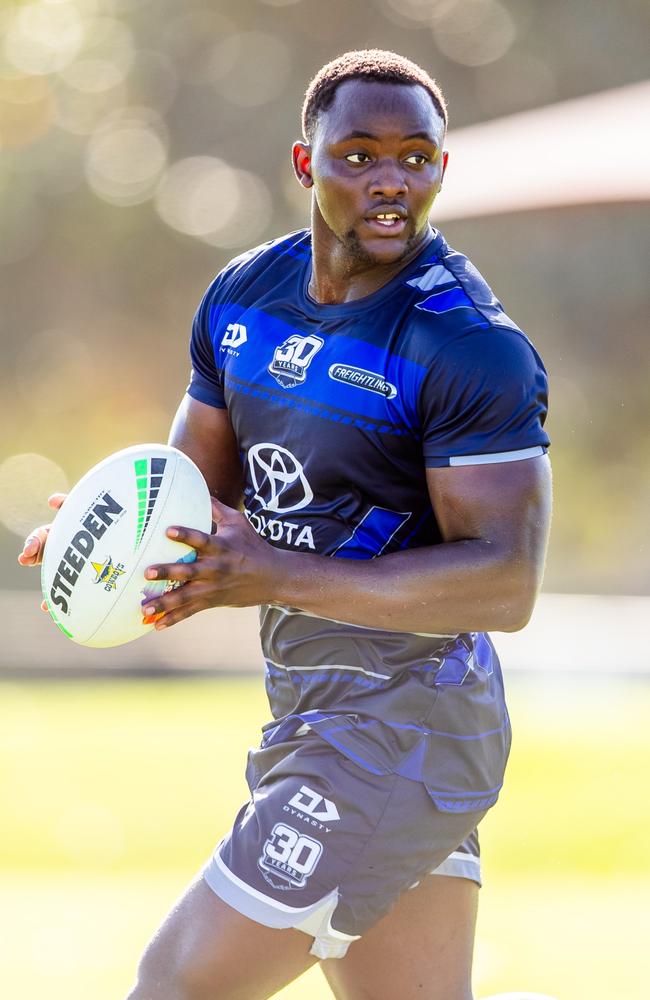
278,477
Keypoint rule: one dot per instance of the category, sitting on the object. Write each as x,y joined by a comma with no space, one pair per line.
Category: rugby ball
110,528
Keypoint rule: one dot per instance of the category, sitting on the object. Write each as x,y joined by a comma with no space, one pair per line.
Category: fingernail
173,532
149,610
150,574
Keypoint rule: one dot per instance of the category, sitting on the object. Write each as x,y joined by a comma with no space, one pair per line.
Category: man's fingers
33,546
56,500
177,572
44,606
177,615
191,536
188,593
180,572
35,542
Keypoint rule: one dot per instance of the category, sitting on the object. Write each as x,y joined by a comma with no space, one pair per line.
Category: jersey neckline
332,309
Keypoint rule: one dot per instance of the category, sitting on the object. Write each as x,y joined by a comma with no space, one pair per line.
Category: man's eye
418,159
357,158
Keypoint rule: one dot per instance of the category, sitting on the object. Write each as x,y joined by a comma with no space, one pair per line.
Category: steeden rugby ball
110,528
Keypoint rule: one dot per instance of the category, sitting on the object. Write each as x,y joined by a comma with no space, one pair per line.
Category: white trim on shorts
460,864
314,920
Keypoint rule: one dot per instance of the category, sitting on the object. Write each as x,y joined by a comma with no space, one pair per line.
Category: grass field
113,792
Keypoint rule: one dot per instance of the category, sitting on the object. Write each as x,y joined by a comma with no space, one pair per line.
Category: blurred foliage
143,144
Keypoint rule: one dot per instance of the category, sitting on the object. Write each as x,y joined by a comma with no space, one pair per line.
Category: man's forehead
365,107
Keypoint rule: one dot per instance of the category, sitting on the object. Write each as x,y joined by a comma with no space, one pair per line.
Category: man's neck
337,276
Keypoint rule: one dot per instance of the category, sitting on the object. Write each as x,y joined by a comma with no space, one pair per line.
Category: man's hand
234,567
34,544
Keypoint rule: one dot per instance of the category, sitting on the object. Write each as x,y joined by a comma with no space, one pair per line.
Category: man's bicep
507,504
205,434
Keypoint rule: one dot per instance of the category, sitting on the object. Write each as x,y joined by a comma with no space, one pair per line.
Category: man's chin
380,251
387,251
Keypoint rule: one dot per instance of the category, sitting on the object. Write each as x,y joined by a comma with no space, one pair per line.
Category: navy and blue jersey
338,409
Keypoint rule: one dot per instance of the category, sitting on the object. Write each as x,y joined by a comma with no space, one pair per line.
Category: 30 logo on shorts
289,857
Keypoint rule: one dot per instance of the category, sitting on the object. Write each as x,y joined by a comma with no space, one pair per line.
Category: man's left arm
485,575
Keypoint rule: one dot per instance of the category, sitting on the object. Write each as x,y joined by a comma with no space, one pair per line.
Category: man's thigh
421,949
205,949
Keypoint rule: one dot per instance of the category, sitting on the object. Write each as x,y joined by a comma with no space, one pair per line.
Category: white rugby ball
110,528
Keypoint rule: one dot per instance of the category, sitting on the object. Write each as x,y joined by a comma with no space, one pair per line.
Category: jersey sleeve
484,400
206,381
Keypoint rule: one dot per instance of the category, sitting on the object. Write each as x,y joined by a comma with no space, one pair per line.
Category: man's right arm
204,433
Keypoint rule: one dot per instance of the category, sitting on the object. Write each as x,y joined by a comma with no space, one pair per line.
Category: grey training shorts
327,847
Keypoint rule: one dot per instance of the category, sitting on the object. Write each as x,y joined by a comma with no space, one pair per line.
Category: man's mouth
391,222
388,219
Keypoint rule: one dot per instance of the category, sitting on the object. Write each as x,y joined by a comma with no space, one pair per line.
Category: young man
363,392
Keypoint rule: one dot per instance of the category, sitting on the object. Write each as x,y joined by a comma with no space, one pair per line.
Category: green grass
113,794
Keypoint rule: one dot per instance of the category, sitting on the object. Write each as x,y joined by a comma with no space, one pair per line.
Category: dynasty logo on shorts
288,858
312,808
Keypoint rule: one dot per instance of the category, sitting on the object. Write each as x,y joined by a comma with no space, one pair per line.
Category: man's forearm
454,587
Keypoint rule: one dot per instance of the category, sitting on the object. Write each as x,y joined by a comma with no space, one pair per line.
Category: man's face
377,164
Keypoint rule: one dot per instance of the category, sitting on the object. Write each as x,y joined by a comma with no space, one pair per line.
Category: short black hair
365,64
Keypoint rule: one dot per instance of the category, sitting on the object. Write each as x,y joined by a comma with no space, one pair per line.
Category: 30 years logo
292,359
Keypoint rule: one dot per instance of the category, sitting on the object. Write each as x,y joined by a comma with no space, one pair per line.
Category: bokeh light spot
107,58
26,481
204,197
473,32
44,37
80,111
125,159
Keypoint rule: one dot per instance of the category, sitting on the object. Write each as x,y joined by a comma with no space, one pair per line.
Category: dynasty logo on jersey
292,359
233,338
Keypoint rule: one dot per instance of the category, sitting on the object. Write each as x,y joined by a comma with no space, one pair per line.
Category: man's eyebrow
376,138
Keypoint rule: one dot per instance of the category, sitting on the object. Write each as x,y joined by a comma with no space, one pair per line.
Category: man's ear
445,160
301,157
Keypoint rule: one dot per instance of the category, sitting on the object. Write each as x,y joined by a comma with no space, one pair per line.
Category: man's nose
388,180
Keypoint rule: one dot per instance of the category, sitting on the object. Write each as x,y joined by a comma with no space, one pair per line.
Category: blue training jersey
338,409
